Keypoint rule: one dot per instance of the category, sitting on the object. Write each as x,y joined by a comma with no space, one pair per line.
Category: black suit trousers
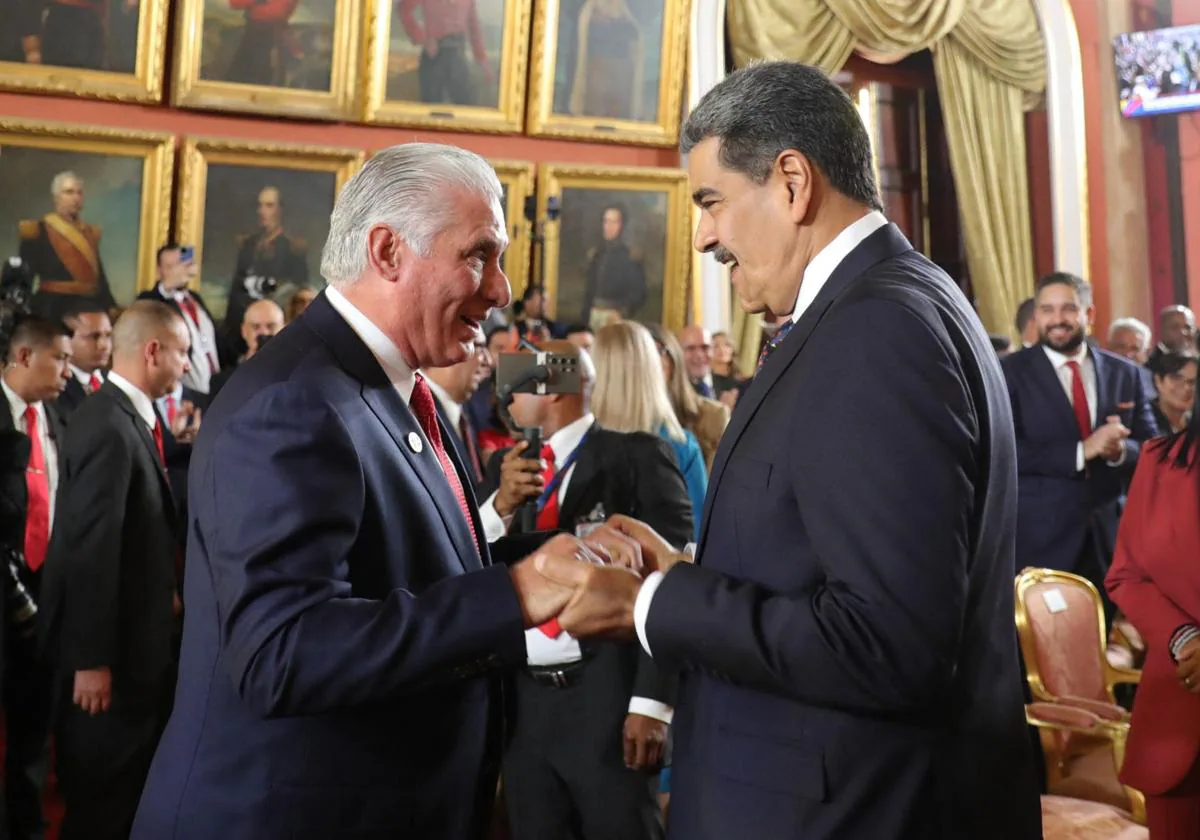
27,695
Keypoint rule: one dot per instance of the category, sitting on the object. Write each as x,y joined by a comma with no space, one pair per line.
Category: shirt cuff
646,707
641,607
1080,461
494,525
1121,459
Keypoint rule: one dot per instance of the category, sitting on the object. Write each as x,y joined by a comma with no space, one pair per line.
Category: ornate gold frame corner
506,118
552,178
518,177
145,84
338,103
540,120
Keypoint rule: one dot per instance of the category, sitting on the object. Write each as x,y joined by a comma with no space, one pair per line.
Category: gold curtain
990,63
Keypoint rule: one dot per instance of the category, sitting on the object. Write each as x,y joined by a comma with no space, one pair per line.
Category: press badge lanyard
556,480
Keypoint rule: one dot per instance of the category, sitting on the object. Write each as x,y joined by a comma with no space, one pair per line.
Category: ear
1090,315
24,355
150,352
386,252
799,179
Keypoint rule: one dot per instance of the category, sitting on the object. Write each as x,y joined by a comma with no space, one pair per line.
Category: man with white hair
346,625
63,251
1130,338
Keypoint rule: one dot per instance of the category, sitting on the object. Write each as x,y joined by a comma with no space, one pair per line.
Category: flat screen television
1158,71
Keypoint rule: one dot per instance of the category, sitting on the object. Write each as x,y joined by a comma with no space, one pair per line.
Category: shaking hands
591,585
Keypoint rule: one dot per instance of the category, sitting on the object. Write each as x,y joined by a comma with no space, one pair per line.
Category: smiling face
754,227
1062,317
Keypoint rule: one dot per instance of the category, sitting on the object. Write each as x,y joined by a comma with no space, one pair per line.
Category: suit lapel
1050,389
56,426
586,467
401,425
1104,406
885,243
143,432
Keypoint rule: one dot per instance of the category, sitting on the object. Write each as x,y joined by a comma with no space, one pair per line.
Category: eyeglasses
1180,379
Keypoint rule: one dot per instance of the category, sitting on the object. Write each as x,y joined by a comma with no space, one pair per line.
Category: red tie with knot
37,485
422,407
1083,415
547,520
94,383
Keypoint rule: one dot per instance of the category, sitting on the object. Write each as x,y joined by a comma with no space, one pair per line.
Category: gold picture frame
517,178
244,174
606,96
126,180
193,89
652,231
119,75
508,74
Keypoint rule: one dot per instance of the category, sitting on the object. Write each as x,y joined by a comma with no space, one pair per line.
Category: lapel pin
415,443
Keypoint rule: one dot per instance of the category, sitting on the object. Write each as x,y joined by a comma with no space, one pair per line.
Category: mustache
722,255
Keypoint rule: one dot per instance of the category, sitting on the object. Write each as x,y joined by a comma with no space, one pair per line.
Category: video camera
16,293
260,288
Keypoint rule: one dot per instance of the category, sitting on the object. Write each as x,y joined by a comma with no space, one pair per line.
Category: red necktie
1083,415
158,442
422,406
37,484
189,306
94,383
547,520
171,409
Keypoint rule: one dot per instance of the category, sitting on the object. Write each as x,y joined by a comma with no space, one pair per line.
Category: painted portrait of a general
446,51
85,34
269,43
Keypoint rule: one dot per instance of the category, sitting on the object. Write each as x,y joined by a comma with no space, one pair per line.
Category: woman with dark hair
1155,580
1175,381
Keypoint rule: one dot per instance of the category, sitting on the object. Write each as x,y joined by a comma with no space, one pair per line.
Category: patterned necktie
775,341
158,442
423,408
37,484
94,383
547,520
1083,415
171,409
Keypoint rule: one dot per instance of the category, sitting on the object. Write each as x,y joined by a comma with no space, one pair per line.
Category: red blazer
1155,580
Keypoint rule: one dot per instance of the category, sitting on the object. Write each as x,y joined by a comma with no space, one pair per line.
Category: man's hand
93,690
186,424
1188,669
602,599
520,479
658,555
543,598
615,548
1107,442
645,740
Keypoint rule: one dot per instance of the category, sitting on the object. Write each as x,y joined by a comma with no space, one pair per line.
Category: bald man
262,320
110,610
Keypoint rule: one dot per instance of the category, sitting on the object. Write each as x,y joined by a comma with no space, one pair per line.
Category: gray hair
761,111
409,188
60,180
1133,325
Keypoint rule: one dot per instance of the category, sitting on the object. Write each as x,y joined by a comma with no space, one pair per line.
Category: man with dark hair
1176,332
850,667
530,318
1026,324
111,591
34,376
1080,415
615,279
581,335
91,349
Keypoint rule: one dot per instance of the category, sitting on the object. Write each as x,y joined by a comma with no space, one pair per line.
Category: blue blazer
695,475
847,637
342,635
1059,506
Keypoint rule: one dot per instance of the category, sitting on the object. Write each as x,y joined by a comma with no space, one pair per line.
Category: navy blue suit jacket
847,630
342,636
1060,506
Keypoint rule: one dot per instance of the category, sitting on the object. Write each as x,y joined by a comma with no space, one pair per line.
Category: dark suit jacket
110,575
460,446
848,626
226,354
1059,508
633,474
71,397
343,638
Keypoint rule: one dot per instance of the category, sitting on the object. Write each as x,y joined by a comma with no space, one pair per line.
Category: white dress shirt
203,358
84,378
142,403
1066,377
453,410
382,348
816,275
16,407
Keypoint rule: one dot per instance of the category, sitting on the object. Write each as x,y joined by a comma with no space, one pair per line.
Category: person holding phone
177,273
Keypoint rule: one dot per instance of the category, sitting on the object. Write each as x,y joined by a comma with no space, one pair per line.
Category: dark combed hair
1179,447
1024,314
578,327
763,110
170,246
1065,278
35,331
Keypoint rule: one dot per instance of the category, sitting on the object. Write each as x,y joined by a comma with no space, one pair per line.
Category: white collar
382,348
141,401
173,294
565,440
453,410
1059,359
15,402
822,266
84,378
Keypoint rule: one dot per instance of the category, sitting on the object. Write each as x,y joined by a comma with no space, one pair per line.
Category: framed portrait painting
85,209
516,177
102,49
619,249
451,64
608,70
257,216
286,57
